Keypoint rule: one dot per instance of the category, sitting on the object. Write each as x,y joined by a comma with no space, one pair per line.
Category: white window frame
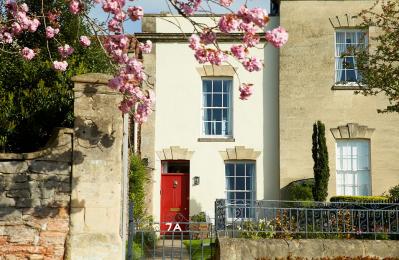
349,166
336,56
250,213
229,134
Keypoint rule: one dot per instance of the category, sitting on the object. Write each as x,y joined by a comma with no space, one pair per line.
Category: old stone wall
34,200
238,249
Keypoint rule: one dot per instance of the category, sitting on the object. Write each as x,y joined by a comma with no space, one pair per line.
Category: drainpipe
125,184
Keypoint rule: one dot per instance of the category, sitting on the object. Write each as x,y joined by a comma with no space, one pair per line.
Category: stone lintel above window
175,153
239,153
216,71
352,130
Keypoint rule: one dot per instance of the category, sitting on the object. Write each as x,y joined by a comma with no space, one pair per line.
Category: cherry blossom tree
19,20
379,66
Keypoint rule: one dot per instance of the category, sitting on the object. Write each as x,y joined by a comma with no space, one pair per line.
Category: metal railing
178,238
306,219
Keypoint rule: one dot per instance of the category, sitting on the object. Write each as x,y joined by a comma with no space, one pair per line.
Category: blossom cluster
131,76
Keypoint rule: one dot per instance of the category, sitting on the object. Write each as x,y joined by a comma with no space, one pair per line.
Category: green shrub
360,199
200,217
301,190
34,99
394,193
138,177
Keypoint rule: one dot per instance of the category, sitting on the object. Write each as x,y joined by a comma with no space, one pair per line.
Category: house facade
202,142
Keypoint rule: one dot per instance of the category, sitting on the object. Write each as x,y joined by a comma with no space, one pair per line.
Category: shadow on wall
195,207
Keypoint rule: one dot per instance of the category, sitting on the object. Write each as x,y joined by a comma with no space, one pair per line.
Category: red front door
175,201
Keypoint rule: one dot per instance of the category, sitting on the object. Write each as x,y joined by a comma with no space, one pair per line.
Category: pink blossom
208,37
53,16
246,91
24,7
252,64
7,37
216,57
27,53
258,16
228,23
135,12
251,39
74,6
115,25
65,51
190,7
201,55
84,41
51,32
146,47
16,28
225,3
238,51
60,65
278,37
194,41
34,24
248,27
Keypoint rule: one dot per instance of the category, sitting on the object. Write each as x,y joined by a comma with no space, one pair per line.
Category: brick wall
34,201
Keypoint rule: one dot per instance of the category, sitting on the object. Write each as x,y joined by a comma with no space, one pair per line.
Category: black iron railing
306,219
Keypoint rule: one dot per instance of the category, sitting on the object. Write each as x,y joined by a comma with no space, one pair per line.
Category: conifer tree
321,170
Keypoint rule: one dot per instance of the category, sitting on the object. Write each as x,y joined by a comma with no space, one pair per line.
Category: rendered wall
34,200
306,78
178,120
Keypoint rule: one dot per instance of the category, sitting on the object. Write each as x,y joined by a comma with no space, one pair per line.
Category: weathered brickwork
34,201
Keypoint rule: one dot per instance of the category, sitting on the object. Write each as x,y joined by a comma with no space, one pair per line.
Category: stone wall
34,200
238,249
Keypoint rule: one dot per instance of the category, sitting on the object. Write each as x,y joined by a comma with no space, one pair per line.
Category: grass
197,250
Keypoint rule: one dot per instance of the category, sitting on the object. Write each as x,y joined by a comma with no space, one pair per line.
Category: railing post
220,215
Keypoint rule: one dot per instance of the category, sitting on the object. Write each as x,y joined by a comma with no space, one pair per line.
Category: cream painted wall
178,123
306,78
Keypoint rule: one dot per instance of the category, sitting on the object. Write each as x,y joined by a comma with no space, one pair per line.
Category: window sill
216,139
349,86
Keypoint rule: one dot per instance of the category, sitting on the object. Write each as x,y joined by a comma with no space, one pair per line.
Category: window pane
240,169
230,183
240,196
207,86
248,183
340,49
225,128
225,114
229,169
217,100
340,37
217,115
207,114
218,128
361,36
207,100
226,100
240,183
350,75
217,86
350,37
208,128
226,86
349,62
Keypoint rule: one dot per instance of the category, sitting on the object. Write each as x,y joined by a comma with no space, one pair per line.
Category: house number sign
176,227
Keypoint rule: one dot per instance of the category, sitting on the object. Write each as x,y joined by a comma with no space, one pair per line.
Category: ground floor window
353,167
240,188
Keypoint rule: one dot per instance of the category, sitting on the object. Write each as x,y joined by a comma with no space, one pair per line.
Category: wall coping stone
48,149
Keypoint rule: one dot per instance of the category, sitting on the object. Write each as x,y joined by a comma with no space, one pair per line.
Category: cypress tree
321,170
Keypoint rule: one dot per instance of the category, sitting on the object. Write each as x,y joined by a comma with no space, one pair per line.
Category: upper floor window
347,41
353,167
216,106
